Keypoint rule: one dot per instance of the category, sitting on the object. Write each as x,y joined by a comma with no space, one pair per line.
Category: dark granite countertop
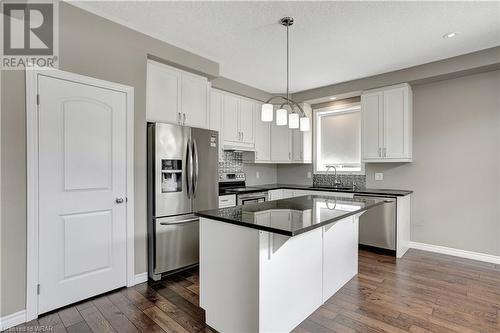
359,190
294,216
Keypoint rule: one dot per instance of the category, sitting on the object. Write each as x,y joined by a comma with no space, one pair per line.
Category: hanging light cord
288,100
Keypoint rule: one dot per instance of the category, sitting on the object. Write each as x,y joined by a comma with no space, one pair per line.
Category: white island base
257,281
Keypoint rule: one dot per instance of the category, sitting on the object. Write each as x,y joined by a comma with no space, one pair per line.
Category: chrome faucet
335,181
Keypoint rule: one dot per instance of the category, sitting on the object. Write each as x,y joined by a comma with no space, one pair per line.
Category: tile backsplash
231,161
345,180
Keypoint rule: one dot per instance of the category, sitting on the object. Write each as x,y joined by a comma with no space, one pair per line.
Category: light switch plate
309,174
257,175
379,176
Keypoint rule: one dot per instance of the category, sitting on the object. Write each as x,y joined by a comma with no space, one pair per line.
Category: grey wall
92,46
294,174
456,168
267,173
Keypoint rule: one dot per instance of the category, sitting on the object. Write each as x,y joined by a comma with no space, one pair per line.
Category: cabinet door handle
380,152
385,152
179,117
184,119
256,155
289,155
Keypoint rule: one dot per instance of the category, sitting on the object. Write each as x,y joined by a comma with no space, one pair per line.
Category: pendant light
266,114
295,120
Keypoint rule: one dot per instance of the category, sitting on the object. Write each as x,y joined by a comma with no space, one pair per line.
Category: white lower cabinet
275,194
227,200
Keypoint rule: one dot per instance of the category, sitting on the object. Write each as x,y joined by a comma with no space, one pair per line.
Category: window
338,139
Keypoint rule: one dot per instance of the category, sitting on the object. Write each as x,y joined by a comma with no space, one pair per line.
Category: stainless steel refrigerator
182,179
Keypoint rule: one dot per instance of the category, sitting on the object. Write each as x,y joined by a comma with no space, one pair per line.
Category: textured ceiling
331,42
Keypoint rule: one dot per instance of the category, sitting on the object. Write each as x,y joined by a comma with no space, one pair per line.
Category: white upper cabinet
230,118
237,122
163,97
247,111
175,96
371,124
281,144
194,100
387,124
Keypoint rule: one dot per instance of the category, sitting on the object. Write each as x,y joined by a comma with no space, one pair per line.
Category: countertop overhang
293,216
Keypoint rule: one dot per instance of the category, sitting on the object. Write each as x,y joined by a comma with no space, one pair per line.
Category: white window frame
346,108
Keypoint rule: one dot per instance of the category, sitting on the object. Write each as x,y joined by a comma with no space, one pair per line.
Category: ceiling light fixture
450,35
333,98
295,120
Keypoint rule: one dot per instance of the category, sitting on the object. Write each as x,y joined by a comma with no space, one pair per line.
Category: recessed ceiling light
333,98
450,35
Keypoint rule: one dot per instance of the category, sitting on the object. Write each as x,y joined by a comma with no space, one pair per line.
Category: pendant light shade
266,113
281,117
293,120
304,124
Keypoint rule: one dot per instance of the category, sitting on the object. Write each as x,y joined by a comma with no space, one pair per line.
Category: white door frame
32,75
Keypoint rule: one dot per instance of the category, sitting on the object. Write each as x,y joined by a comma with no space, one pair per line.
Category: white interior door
82,188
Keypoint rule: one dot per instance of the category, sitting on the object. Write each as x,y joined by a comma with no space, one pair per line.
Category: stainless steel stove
235,183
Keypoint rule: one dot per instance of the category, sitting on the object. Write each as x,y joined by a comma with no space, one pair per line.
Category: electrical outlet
257,174
379,176
309,174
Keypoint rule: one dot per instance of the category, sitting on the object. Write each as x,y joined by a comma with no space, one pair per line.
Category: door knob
119,200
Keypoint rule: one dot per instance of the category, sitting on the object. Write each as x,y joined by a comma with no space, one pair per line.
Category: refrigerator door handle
196,167
189,169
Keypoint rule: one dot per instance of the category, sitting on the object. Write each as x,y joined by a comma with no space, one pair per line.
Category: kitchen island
266,267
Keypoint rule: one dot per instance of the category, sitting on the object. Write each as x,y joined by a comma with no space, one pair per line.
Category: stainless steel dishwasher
377,226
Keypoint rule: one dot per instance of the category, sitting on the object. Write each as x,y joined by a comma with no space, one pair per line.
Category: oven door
245,199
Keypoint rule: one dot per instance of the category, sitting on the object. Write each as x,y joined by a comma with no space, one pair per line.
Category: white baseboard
12,320
456,252
141,278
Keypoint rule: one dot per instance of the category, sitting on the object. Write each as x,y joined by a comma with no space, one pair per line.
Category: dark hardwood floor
423,292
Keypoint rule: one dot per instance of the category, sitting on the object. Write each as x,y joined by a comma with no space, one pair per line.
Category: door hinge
38,289
37,99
